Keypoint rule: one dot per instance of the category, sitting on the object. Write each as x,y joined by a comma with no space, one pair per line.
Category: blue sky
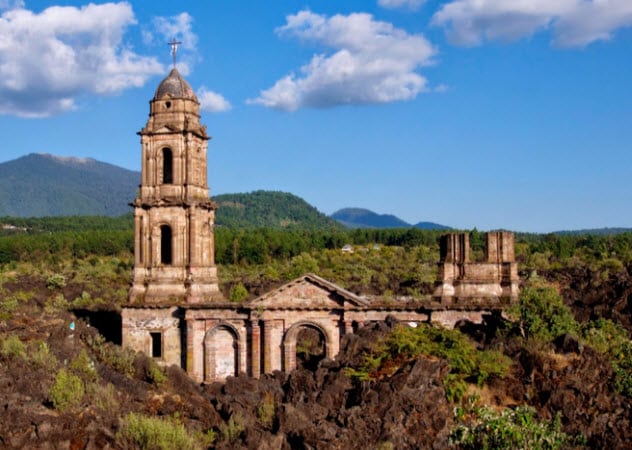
511,114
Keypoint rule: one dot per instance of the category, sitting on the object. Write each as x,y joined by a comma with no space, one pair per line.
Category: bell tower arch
173,214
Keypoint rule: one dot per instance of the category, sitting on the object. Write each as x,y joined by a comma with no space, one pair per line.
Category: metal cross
174,49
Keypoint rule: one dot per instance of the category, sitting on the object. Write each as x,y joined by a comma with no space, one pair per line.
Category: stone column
190,348
348,324
255,349
272,337
267,347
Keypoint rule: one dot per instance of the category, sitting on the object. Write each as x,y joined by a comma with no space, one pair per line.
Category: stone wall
462,281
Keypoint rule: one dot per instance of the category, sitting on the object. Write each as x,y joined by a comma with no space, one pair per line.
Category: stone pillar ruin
491,281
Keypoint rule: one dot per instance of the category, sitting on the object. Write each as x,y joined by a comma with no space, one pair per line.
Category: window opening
156,345
165,244
167,166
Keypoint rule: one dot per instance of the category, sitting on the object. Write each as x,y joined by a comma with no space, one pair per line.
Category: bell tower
174,217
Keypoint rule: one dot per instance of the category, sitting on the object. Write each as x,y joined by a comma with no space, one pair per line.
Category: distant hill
596,231
269,209
364,218
431,226
39,185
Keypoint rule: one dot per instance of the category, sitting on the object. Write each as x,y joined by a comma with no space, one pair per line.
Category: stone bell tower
174,259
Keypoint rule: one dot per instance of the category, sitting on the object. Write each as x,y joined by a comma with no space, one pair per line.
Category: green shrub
67,391
42,355
55,304
467,364
266,410
8,307
511,429
611,339
56,281
83,366
154,433
232,430
12,346
155,374
543,315
238,293
120,359
105,398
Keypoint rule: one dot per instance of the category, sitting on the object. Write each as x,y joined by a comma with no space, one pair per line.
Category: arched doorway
221,353
310,347
305,345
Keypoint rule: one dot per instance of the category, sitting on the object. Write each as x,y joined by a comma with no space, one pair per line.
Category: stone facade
176,313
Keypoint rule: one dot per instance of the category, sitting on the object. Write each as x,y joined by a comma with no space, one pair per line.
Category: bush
155,374
266,410
43,357
543,315
83,367
105,398
611,339
120,359
238,293
232,430
511,429
8,307
467,364
67,391
56,281
55,304
12,346
154,433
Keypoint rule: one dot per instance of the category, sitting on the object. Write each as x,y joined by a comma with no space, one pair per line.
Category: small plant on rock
67,391
266,409
154,433
12,346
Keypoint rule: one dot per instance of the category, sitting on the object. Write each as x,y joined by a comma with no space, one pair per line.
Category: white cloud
212,101
372,62
573,22
164,29
409,4
49,59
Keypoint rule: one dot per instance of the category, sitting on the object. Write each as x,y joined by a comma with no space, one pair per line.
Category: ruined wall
138,325
493,280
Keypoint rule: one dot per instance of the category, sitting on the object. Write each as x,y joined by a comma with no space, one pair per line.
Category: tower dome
175,86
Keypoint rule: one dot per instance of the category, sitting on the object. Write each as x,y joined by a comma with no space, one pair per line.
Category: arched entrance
305,345
310,347
221,353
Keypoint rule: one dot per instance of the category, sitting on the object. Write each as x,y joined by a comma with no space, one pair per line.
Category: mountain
269,209
40,184
364,218
431,226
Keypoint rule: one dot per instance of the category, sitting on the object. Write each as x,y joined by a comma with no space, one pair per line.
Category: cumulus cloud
372,62
393,4
212,101
180,26
49,59
573,22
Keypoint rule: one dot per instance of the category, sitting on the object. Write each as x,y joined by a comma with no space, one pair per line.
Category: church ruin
176,312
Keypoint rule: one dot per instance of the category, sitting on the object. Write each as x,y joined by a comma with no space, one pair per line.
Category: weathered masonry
176,312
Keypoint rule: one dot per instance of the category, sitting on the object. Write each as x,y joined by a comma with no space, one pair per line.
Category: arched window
167,166
165,244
